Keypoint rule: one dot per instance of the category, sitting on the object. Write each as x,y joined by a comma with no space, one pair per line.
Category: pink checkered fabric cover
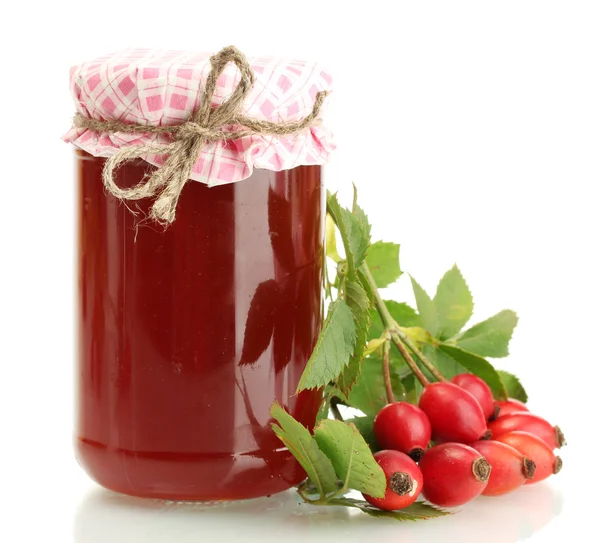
164,87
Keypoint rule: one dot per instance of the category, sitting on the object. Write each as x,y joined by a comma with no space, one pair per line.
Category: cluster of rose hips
482,447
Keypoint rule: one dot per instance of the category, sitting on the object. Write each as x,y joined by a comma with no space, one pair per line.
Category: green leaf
453,302
323,412
414,512
413,389
373,345
490,337
368,394
330,241
358,212
334,347
446,364
351,457
427,309
354,231
365,426
402,313
383,260
366,285
358,302
301,444
419,335
478,366
513,386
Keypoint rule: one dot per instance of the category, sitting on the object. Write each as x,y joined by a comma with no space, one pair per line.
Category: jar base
188,476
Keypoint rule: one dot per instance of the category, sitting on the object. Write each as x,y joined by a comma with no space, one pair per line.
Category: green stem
424,360
386,372
390,324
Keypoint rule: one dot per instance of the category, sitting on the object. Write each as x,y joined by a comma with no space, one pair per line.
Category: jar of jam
189,332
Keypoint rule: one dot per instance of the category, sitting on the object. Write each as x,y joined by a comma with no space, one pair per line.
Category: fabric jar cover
160,88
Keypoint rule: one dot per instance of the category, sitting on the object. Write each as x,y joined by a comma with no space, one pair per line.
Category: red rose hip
404,481
453,474
510,406
454,413
480,389
546,463
510,468
528,422
403,427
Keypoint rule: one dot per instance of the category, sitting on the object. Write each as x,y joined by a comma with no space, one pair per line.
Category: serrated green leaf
478,366
427,309
366,285
365,426
356,298
414,512
301,444
359,304
351,457
334,347
354,232
453,303
330,241
383,260
513,386
368,394
349,376
358,237
491,336
358,212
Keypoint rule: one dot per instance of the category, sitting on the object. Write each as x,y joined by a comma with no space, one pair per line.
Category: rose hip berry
528,422
546,463
403,427
510,468
404,481
480,389
510,406
454,413
453,474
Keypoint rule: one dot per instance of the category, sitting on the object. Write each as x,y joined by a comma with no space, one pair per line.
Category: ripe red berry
454,413
403,427
480,389
546,463
404,481
453,474
528,422
510,406
510,468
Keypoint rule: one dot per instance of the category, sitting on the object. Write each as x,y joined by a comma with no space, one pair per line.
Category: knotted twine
205,125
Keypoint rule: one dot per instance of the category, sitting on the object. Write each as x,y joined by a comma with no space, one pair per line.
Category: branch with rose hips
440,421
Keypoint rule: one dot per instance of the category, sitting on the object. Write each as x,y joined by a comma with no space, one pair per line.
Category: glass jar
188,334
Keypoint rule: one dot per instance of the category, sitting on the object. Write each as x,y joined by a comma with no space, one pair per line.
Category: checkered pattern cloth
164,88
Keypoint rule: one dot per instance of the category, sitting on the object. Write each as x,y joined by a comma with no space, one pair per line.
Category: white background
472,130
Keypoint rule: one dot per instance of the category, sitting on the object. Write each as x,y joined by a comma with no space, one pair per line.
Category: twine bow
205,125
